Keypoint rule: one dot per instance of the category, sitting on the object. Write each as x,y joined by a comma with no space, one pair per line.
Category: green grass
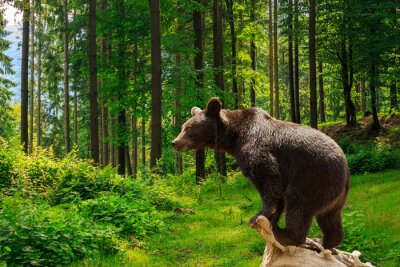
218,234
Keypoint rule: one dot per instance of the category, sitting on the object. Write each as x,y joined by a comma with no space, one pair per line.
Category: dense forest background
116,79
88,176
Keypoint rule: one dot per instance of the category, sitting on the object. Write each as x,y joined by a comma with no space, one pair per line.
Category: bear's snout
174,143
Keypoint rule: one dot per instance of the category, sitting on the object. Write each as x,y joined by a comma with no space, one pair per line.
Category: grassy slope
218,235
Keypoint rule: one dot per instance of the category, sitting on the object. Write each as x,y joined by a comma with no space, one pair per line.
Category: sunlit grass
218,234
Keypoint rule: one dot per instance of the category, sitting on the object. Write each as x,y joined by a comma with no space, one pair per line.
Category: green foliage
373,160
38,235
131,214
6,170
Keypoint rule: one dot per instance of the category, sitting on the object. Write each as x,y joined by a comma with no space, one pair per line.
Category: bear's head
201,130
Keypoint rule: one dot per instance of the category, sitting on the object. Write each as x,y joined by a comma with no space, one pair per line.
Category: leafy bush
6,170
36,234
373,160
130,214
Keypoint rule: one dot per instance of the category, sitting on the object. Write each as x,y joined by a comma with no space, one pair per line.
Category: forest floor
218,234
362,133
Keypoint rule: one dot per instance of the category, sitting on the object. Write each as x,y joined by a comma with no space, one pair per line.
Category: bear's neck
235,124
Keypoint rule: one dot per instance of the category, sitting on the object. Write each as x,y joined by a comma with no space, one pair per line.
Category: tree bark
363,97
347,79
198,66
218,65
270,59
66,80
296,61
128,161
290,52
373,75
24,76
156,97
39,82
94,113
276,66
312,63
253,57
32,89
321,93
357,98
231,21
177,117
134,146
393,96
143,128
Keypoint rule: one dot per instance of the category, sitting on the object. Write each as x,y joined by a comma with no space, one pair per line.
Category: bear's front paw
253,220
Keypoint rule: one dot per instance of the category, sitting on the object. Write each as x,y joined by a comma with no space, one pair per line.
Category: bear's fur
295,168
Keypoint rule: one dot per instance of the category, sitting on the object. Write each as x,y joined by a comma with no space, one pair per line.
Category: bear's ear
213,108
194,111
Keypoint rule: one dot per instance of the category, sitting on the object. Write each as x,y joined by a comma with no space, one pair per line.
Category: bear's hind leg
330,223
297,223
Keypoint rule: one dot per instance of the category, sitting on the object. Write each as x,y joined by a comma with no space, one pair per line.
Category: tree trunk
75,100
296,61
24,76
270,59
393,96
291,78
66,80
321,93
134,147
94,116
128,161
143,126
312,63
121,92
156,96
253,57
198,66
231,21
218,65
177,117
347,78
39,83
32,89
363,97
276,66
373,75
357,98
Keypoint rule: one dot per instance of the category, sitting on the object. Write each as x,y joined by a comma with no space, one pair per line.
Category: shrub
36,234
130,214
373,160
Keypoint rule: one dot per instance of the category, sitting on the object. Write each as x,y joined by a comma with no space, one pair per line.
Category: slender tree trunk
290,51
24,76
75,88
363,97
373,75
134,146
143,126
66,79
296,61
156,97
218,65
393,96
312,63
321,93
122,76
270,59
253,57
357,98
240,78
94,116
198,66
128,161
177,117
104,109
39,82
231,20
32,89
276,66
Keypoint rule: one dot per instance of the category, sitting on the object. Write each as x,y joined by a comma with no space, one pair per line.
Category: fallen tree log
310,254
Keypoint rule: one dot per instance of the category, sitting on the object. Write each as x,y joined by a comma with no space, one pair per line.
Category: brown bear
295,168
